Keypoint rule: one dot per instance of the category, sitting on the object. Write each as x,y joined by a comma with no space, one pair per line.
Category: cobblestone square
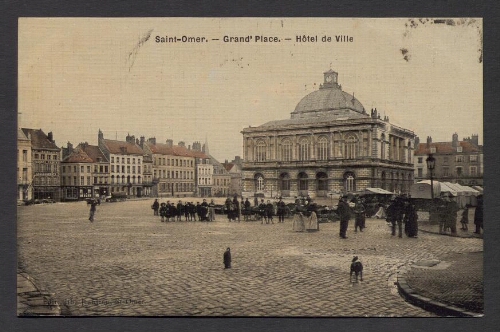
128,263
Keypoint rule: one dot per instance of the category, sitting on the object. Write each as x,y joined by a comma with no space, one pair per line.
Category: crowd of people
170,211
398,211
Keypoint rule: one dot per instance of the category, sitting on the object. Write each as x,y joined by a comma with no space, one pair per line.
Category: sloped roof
94,153
175,150
228,166
78,156
39,140
115,147
21,135
446,148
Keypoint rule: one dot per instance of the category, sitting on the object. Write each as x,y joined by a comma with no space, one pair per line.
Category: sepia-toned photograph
250,167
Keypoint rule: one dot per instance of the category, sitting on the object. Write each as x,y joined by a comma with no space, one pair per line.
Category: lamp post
431,164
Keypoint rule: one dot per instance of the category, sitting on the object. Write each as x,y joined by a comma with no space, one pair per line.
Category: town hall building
330,144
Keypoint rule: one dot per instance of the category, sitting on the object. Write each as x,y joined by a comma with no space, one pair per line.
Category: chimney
454,140
70,147
152,140
417,142
181,143
475,139
189,147
170,143
142,141
429,141
130,139
50,137
100,135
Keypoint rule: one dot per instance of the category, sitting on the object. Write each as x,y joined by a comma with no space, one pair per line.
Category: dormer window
459,149
433,149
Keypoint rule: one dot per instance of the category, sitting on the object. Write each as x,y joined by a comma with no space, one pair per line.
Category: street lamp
431,164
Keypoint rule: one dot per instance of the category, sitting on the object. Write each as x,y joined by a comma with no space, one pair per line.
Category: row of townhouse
136,167
455,161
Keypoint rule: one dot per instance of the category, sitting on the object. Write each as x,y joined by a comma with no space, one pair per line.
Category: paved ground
129,263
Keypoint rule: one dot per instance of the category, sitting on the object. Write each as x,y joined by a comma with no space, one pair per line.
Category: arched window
382,147
322,148
349,182
284,183
259,182
261,151
286,150
303,149
303,182
112,179
350,147
322,181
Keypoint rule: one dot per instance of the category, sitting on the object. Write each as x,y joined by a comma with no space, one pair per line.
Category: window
420,160
350,183
303,181
88,180
64,169
74,169
473,171
138,169
261,151
112,168
322,181
259,183
128,160
133,160
25,155
350,152
112,159
445,160
82,180
25,174
459,149
459,171
82,169
304,150
473,158
420,172
88,169
284,183
286,150
459,159
322,149
433,149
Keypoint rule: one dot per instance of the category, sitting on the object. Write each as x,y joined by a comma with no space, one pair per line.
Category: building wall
363,148
24,170
175,174
125,173
46,174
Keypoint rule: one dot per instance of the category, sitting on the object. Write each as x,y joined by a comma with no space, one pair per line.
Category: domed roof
328,98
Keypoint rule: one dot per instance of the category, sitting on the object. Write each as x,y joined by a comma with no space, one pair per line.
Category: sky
79,75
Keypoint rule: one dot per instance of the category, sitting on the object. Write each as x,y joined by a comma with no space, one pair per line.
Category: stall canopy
463,195
378,191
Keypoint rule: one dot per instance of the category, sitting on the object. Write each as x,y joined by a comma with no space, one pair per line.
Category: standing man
344,212
281,210
93,205
236,206
451,215
211,210
155,207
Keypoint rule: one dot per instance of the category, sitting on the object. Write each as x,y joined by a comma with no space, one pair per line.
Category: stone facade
330,144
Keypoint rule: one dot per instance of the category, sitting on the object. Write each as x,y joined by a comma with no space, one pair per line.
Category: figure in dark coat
227,258
180,210
344,212
281,211
269,211
163,211
236,207
359,211
411,221
93,205
156,207
478,215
